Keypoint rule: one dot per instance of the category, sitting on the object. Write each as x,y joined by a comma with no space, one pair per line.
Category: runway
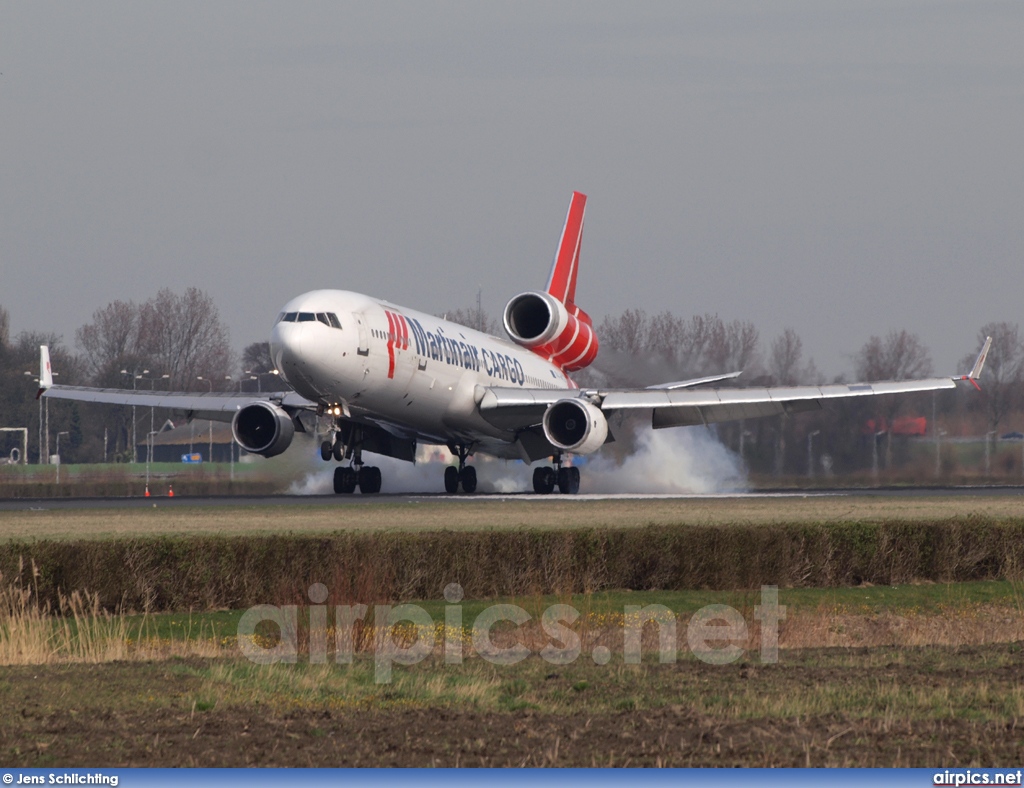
181,501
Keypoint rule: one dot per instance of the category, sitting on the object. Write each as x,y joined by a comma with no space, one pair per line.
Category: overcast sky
840,168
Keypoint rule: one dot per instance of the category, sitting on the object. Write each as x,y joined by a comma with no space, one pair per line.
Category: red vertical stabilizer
576,346
549,323
562,282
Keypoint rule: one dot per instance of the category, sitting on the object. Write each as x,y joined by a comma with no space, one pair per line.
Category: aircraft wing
217,406
517,409
681,408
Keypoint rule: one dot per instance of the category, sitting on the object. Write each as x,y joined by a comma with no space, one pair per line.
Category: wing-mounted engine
560,333
575,425
263,428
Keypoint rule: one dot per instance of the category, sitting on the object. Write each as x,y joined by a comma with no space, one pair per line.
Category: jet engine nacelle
263,428
575,425
561,333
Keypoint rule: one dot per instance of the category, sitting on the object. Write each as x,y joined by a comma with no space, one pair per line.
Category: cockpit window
327,318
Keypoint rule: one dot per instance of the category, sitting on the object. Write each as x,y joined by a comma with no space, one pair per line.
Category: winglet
45,373
562,282
979,364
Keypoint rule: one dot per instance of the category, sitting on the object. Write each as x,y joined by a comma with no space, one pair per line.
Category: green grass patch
925,599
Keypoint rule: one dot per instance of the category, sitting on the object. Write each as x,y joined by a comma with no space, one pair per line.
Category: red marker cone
170,491
147,492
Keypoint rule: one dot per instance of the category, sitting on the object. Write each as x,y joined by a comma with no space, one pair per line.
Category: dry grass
955,626
487,514
80,631
77,629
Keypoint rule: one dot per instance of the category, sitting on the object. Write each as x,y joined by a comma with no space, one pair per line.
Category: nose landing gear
347,444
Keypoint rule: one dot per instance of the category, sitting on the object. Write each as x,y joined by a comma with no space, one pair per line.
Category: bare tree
111,340
665,335
5,329
475,318
900,356
628,333
786,355
693,345
184,337
730,346
256,358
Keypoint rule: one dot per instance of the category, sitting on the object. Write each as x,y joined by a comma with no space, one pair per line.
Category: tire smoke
688,460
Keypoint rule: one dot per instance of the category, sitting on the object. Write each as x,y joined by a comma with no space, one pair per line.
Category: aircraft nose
286,346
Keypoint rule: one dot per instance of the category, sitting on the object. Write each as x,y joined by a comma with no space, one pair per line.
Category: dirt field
913,704
913,707
490,514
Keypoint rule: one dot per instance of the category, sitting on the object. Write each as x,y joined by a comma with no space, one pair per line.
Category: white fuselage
417,375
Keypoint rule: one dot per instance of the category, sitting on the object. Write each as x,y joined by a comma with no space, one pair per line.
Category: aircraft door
364,334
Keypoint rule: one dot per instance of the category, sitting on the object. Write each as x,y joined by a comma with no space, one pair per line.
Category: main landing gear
347,445
546,477
464,474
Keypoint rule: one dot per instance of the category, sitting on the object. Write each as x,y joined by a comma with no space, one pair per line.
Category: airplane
389,378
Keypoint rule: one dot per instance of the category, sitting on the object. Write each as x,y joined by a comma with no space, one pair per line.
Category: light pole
258,377
36,380
152,409
209,382
874,453
938,451
58,453
149,455
810,453
135,376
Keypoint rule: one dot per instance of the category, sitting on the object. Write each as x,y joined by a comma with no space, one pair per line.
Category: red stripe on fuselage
391,343
405,330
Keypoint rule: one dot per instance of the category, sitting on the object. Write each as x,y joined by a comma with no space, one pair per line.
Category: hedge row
209,572
134,488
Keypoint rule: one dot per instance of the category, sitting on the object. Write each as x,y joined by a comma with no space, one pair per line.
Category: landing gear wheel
467,477
338,450
344,481
369,480
325,451
569,480
543,480
451,480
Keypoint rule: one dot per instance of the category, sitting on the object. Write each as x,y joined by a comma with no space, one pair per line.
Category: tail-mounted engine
562,335
575,425
263,428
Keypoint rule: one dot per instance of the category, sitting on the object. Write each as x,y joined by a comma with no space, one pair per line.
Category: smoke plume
677,461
